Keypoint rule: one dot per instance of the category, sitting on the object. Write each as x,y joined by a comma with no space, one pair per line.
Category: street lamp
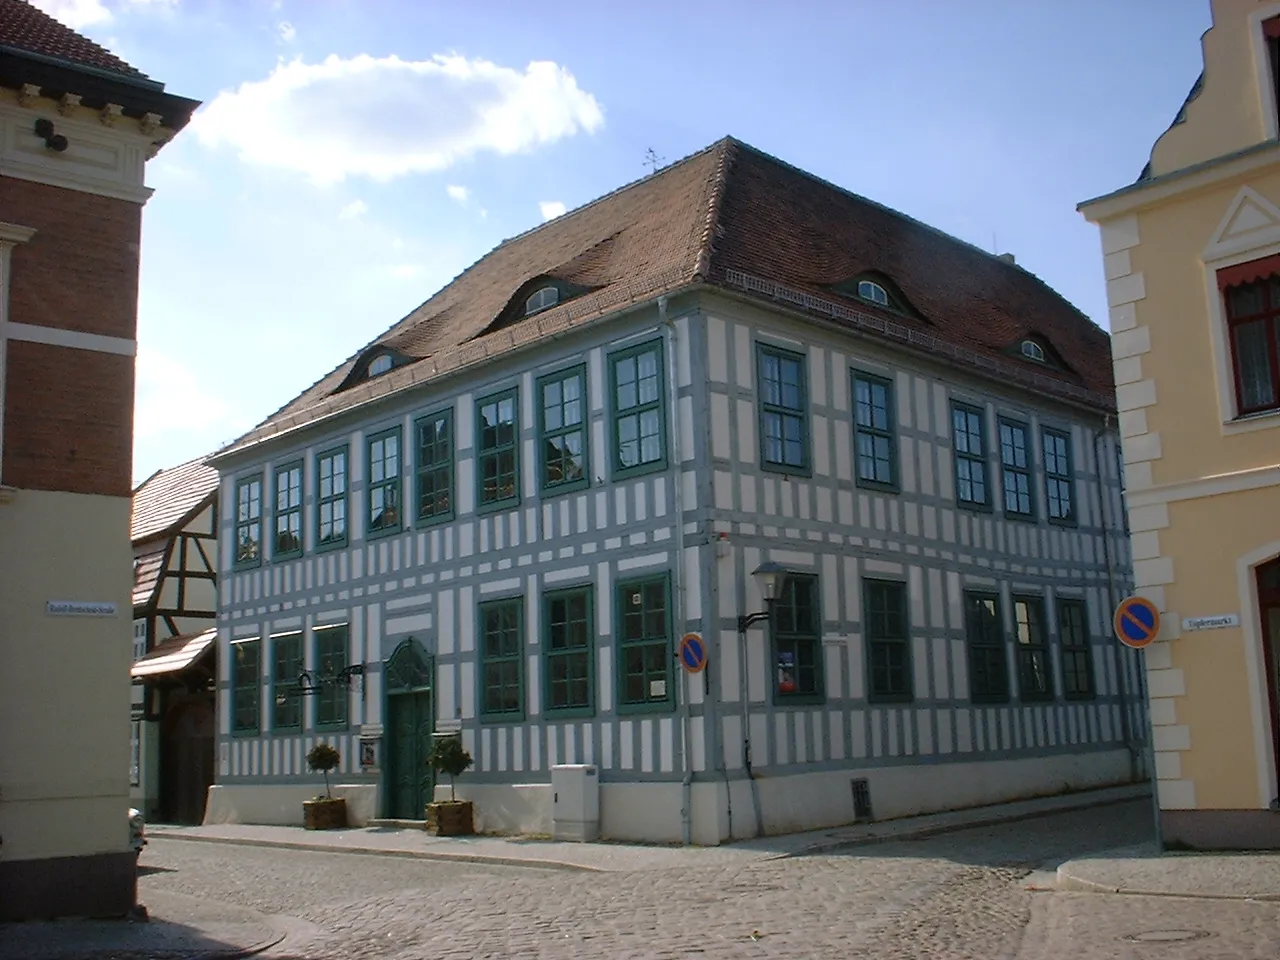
769,576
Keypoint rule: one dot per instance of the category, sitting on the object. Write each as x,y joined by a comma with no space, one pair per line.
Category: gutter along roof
735,218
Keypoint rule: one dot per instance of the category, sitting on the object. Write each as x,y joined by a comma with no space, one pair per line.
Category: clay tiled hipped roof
146,574
168,496
733,217
27,28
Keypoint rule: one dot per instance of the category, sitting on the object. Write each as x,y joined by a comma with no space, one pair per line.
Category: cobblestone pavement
950,897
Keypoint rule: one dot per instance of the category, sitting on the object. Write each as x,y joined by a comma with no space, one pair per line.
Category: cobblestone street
960,895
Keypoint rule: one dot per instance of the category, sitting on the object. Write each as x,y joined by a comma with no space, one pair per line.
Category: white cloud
405,271
458,193
172,399
353,209
287,31
85,13
551,209
384,118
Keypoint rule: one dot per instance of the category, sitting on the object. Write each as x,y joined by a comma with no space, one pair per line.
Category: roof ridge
910,219
711,227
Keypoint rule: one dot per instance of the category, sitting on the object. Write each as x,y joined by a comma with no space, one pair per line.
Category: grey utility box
575,801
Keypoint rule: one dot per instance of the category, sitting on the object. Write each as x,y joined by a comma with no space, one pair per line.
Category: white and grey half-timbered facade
504,514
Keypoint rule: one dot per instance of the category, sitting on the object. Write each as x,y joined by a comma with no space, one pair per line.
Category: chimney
1007,258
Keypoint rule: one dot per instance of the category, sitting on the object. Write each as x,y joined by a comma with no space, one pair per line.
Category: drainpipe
682,683
1122,670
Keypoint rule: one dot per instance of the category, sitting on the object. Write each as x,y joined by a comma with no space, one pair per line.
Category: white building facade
515,549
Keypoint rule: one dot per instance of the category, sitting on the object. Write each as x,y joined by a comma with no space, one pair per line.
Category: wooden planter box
451,818
325,813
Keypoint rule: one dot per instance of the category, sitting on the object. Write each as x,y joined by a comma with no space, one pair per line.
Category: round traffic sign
693,653
1137,622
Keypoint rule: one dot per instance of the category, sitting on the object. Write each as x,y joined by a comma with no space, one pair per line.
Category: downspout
682,684
1122,669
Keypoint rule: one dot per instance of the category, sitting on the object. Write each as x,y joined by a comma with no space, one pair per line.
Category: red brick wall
80,270
68,413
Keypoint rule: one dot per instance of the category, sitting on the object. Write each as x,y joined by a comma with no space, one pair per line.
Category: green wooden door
409,782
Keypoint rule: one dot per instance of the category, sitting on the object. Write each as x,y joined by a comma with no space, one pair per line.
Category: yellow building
1192,263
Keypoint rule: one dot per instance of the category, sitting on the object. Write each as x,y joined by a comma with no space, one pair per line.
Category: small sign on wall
1219,622
78,608
369,753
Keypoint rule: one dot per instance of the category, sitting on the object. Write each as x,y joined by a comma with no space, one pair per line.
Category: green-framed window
331,498
246,685
644,645
1077,655
286,704
502,659
970,446
434,466
784,410
498,449
797,640
249,521
567,629
875,447
888,640
331,645
288,541
1015,469
384,482
562,430
988,658
1058,481
637,393
1035,667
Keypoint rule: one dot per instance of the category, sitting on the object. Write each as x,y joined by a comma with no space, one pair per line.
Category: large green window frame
797,641
331,499
969,441
988,657
249,521
875,447
288,541
246,685
1035,667
1058,481
784,410
643,626
383,515
568,651
435,466
1077,654
286,704
498,450
562,431
637,393
502,659
1015,469
331,646
888,641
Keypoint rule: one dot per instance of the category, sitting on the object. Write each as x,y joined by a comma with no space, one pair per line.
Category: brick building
77,126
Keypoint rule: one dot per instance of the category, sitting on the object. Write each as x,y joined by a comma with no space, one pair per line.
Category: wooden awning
174,655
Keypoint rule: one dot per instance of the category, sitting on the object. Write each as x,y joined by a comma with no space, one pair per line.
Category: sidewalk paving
610,856
1144,871
180,928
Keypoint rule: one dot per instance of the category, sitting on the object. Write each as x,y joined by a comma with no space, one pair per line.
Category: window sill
1070,523
246,733
658,706
1079,697
990,700
494,718
246,565
876,485
1037,698
891,698
798,699
383,532
283,731
1247,422
282,557
331,545
974,507
342,727
787,470
572,486
498,506
420,523
630,473
1027,518
570,713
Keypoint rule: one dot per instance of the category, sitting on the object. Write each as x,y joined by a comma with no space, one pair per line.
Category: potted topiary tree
453,817
327,812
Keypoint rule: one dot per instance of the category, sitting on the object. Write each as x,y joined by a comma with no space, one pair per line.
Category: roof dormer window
541,299
1033,351
869,290
379,365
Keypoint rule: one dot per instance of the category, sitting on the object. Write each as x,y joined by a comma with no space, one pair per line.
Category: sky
352,156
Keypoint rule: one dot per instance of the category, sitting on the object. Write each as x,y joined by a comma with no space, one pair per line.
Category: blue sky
354,155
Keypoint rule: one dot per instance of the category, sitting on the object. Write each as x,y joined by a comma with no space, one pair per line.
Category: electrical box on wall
575,801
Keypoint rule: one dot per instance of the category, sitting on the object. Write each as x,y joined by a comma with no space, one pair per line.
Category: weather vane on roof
652,160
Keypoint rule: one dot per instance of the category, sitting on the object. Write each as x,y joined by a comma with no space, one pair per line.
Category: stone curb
1067,882
987,820
480,858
